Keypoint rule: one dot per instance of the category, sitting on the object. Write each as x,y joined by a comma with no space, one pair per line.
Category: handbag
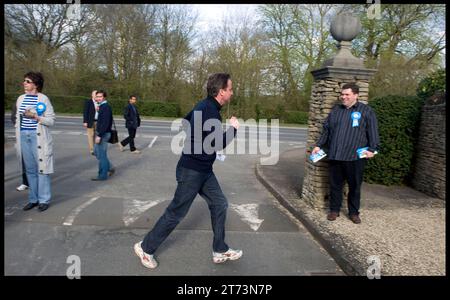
114,139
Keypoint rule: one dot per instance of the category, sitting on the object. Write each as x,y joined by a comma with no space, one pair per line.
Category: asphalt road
100,221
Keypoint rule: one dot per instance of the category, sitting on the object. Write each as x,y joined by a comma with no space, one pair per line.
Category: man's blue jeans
100,151
191,183
40,188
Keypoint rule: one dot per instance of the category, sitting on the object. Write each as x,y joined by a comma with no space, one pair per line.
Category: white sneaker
136,151
231,254
22,187
146,259
120,146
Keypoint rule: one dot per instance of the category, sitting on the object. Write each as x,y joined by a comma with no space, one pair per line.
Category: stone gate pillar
325,93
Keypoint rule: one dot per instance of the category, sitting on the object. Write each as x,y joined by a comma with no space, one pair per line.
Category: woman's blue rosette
40,108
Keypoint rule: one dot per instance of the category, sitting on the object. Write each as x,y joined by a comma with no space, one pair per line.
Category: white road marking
134,208
74,213
248,214
10,210
154,139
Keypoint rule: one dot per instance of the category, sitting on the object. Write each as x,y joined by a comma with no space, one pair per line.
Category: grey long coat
44,137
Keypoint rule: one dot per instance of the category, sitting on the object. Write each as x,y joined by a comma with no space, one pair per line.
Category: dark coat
89,113
131,116
105,119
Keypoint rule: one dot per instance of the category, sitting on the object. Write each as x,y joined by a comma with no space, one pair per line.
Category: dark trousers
130,139
191,183
352,172
24,174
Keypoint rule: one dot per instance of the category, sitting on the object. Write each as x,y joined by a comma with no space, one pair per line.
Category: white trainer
231,254
135,151
146,259
120,147
22,187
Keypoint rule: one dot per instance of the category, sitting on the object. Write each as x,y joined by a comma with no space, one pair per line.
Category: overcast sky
212,13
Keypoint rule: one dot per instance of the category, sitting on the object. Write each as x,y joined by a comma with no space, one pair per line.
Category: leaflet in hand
220,156
318,156
362,152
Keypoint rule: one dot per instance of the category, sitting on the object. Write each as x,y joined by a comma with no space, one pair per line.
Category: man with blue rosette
350,126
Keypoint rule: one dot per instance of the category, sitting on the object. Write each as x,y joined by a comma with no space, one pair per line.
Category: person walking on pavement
194,175
24,184
132,122
102,136
34,142
90,115
349,126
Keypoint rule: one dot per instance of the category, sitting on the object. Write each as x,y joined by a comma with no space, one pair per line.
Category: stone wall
429,170
325,94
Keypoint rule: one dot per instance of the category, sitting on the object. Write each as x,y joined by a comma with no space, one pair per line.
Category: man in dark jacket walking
133,121
102,136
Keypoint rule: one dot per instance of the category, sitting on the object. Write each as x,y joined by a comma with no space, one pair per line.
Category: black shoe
111,172
30,206
97,179
92,153
43,206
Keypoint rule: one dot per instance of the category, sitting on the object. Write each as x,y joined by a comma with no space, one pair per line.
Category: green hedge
398,120
75,104
296,117
432,84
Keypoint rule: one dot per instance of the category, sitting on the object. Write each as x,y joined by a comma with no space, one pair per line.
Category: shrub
296,117
432,84
75,105
398,119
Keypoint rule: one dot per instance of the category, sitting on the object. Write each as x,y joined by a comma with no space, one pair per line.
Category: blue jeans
38,183
191,183
100,151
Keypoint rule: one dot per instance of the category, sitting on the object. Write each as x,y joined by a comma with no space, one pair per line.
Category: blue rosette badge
355,118
40,108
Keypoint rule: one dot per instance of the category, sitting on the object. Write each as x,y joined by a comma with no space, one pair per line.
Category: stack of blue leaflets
318,156
362,152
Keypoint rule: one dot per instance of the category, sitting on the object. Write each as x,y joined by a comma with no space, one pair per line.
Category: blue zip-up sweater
209,109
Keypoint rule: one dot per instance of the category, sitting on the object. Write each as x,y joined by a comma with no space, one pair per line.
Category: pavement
402,231
99,222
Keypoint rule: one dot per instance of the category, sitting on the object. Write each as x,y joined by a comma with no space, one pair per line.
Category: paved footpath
404,228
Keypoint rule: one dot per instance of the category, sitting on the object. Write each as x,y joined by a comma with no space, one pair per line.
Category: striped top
27,123
344,132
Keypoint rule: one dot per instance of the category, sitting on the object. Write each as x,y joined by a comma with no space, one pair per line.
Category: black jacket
131,116
89,113
104,120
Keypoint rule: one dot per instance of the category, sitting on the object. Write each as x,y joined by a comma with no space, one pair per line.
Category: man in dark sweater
102,135
194,174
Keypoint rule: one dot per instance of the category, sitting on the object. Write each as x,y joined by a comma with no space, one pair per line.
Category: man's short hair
132,97
37,78
353,86
216,82
101,92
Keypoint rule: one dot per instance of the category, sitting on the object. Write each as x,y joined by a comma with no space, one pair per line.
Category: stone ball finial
345,27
